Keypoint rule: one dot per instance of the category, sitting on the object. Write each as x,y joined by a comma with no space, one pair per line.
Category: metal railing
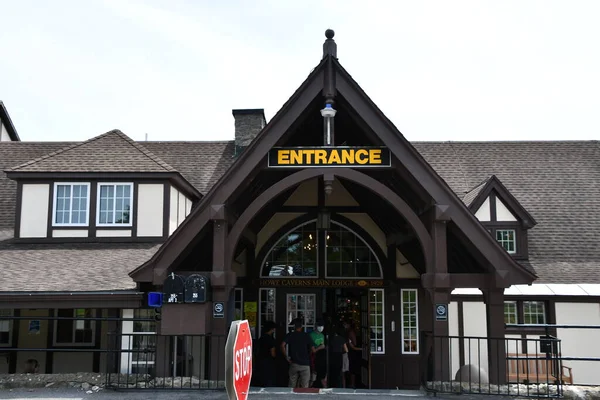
139,361
522,367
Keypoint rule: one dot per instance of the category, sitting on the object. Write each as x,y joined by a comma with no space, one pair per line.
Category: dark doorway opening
346,311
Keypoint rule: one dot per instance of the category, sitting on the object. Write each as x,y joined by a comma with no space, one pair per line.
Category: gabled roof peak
492,184
112,151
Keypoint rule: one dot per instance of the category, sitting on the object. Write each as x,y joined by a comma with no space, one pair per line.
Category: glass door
301,306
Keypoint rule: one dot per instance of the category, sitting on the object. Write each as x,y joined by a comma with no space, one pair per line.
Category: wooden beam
336,209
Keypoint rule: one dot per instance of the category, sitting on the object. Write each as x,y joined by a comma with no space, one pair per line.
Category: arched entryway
326,275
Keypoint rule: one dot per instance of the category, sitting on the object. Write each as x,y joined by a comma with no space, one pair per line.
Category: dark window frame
520,309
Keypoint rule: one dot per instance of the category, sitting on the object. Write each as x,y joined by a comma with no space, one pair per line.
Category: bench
535,368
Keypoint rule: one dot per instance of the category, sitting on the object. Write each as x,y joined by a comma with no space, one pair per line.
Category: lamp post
328,113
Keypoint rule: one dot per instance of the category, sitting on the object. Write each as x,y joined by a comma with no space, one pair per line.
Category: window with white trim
74,332
507,239
376,321
410,321
5,328
510,312
71,204
115,204
534,312
267,307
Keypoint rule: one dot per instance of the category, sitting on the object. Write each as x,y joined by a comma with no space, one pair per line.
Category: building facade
326,211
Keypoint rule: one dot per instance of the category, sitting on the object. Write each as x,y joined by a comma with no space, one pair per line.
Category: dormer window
501,214
71,204
115,204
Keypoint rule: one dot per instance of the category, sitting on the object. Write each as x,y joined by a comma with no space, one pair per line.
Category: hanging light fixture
328,113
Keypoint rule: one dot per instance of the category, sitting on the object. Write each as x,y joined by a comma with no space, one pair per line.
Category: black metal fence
128,360
137,361
522,367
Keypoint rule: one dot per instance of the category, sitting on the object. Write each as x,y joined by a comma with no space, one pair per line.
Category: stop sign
238,360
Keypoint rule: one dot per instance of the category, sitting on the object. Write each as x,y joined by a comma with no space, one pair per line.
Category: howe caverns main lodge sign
329,156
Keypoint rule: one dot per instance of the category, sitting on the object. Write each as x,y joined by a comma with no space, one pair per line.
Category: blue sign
155,299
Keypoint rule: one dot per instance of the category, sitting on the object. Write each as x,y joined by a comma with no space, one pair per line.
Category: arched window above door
348,255
298,254
295,254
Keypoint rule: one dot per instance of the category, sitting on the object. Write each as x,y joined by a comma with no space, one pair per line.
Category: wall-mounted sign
218,309
333,283
441,312
338,156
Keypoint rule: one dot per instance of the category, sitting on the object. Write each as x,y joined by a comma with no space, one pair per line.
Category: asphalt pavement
78,394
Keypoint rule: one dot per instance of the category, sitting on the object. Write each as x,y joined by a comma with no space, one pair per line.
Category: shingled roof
70,266
556,181
473,193
110,152
201,163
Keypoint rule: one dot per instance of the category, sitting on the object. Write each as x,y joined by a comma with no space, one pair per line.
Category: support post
494,305
437,282
222,280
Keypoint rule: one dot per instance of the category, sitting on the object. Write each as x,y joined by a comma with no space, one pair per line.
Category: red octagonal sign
238,360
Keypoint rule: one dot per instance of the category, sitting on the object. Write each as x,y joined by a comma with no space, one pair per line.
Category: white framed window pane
410,325
507,238
115,204
534,312
71,204
376,321
510,312
267,307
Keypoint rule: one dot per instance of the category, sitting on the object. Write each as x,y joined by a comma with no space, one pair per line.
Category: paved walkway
258,394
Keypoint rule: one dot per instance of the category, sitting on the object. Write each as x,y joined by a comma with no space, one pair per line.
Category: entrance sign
441,312
322,283
238,361
329,156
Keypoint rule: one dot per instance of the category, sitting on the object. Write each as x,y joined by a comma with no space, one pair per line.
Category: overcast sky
440,70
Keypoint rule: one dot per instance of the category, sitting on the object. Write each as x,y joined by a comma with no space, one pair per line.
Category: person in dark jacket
296,348
266,355
337,347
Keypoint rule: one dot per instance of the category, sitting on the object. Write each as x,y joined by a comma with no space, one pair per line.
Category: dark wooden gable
330,79
493,186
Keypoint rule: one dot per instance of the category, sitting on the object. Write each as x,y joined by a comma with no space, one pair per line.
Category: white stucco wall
339,196
4,137
60,233
273,225
150,210
453,331
179,209
474,317
34,211
304,195
113,233
502,212
580,342
483,213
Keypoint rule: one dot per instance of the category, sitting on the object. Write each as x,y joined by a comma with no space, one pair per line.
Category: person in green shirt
320,355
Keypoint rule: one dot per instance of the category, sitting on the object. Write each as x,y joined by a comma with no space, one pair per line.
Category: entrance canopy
330,132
